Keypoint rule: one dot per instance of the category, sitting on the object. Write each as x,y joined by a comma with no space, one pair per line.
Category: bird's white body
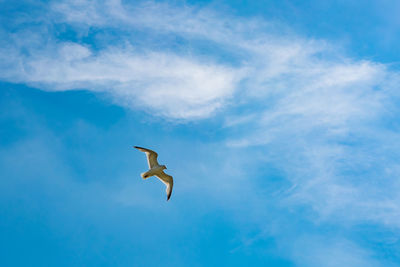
157,170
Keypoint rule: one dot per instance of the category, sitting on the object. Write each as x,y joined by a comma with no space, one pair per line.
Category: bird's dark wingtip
138,147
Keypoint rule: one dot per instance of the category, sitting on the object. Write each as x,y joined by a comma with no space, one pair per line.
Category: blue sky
279,121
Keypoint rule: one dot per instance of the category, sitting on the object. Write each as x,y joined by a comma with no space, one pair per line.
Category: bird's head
164,167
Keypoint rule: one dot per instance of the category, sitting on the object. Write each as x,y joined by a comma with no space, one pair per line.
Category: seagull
156,170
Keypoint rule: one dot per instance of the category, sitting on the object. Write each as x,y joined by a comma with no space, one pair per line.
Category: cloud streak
172,86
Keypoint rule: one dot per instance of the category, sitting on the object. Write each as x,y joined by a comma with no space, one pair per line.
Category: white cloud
170,85
184,85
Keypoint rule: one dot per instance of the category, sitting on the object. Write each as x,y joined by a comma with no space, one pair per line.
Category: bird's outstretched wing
168,181
151,156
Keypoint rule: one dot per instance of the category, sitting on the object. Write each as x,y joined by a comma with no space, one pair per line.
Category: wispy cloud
180,83
172,86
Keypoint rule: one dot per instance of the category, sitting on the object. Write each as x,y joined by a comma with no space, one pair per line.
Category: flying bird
156,170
